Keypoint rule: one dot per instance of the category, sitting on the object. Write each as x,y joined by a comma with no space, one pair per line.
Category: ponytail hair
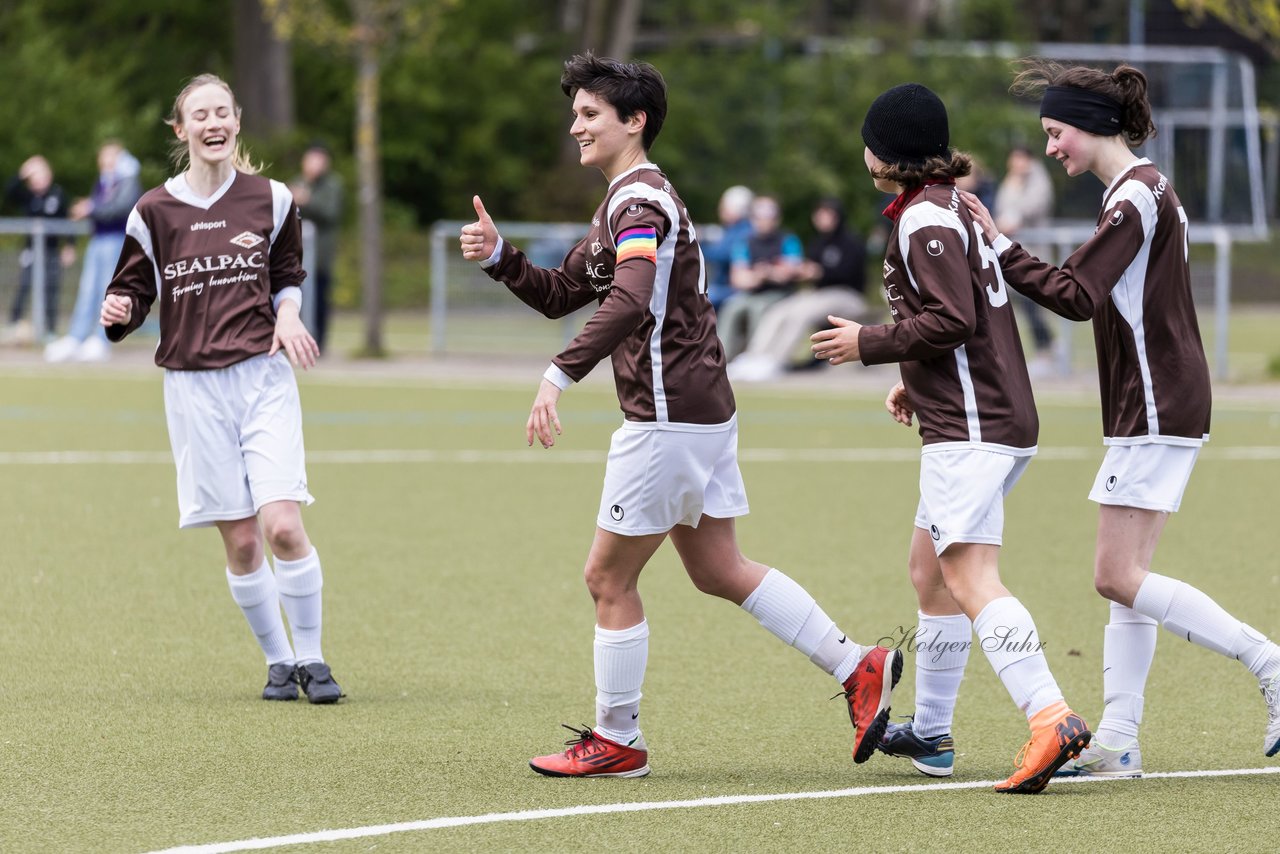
1127,86
179,150
954,164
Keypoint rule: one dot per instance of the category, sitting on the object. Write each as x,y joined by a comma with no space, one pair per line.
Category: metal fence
472,313
1210,286
23,245
23,248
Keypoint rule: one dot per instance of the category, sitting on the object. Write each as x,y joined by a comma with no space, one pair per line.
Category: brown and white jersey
953,330
1133,280
641,262
214,264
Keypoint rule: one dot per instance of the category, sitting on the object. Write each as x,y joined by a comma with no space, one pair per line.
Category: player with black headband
1132,280
963,372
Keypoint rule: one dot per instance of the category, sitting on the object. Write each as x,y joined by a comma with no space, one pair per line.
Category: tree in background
262,60
1257,19
368,31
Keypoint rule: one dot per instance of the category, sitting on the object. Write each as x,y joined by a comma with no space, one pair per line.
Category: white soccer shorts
660,476
962,494
236,435
1150,476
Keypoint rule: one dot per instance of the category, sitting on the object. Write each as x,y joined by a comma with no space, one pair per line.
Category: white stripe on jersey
702,262
1128,293
661,278
970,399
281,200
921,216
927,215
137,228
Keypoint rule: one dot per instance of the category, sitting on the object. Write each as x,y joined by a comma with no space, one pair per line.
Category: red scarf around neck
895,207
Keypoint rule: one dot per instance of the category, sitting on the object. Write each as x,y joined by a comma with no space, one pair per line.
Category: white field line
643,806
529,455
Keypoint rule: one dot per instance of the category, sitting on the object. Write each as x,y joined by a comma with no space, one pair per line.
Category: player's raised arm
480,240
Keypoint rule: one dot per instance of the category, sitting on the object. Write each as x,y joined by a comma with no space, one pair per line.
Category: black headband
1090,111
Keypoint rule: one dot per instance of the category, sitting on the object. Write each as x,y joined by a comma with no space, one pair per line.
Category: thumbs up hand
480,238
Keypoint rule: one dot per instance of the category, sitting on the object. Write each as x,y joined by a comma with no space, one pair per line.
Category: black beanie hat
906,126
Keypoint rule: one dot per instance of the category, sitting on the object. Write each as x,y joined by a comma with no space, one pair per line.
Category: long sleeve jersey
953,330
641,262
216,266
1133,281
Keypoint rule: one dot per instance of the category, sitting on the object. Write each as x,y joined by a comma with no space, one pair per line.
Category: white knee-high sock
256,595
1009,638
942,650
1128,645
300,582
784,608
620,659
1190,614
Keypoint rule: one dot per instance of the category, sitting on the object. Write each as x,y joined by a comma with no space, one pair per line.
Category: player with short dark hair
220,248
672,469
963,372
1132,279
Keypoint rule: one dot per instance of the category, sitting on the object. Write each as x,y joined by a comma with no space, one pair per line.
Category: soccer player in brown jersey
672,469
220,248
964,374
1133,281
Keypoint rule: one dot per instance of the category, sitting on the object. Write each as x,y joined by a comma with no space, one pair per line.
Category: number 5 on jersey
997,291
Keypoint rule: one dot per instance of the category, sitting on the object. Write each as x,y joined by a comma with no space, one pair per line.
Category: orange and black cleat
867,689
1057,736
590,755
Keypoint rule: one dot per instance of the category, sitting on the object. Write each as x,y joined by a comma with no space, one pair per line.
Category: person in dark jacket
34,194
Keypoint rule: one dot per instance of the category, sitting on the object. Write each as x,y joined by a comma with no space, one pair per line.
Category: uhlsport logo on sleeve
934,247
247,239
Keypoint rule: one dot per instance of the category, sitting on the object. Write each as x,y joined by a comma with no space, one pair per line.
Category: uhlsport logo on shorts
934,532
617,512
1111,483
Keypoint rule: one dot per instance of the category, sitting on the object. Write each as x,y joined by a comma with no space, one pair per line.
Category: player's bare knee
286,536
1117,581
709,583
925,578
244,549
604,586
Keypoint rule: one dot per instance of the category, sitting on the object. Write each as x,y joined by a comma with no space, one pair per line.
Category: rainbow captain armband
640,242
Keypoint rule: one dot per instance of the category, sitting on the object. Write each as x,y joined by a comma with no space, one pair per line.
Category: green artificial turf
457,621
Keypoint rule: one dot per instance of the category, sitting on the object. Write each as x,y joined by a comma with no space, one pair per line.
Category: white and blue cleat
1271,693
1098,760
932,756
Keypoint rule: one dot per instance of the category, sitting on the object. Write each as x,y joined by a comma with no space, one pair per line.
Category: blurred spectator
765,269
734,210
1025,200
837,267
978,182
33,193
114,194
318,194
